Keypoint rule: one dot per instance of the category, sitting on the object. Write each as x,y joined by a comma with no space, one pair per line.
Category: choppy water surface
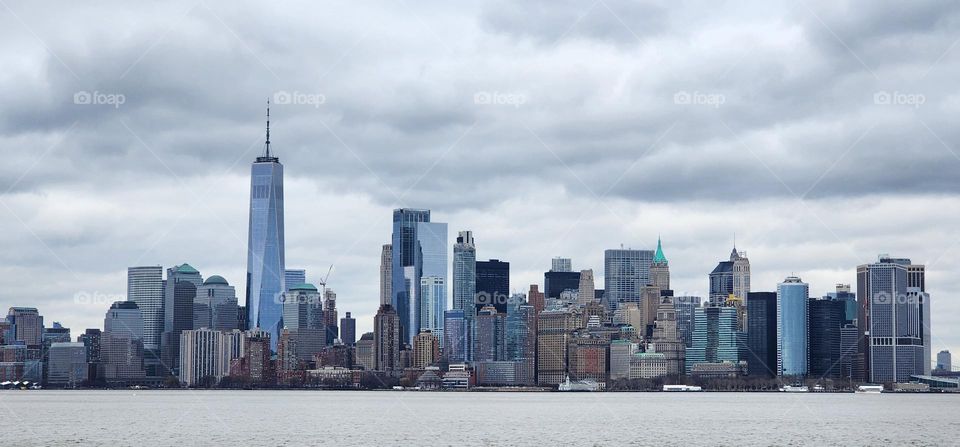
149,418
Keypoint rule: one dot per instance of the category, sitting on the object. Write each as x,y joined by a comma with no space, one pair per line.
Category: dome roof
186,268
216,279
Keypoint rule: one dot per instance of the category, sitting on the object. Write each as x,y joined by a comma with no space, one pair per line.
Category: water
149,418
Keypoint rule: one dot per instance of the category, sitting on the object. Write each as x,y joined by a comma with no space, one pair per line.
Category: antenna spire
268,127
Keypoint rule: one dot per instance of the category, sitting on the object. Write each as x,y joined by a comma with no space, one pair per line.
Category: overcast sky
821,133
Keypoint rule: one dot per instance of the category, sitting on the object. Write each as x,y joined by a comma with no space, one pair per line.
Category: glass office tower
265,247
792,324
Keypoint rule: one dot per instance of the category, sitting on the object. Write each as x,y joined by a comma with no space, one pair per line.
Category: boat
794,389
870,389
681,388
580,385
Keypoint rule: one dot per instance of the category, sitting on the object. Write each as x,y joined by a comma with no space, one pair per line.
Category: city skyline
153,181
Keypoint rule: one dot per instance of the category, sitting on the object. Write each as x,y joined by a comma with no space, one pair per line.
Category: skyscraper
493,284
894,320
26,326
215,305
762,334
730,278
586,292
266,263
465,274
944,361
386,275
555,283
625,272
456,337
715,336
180,291
561,265
292,277
666,338
125,318
145,287
825,322
685,306
433,299
660,269
348,330
489,344
407,267
386,339
792,324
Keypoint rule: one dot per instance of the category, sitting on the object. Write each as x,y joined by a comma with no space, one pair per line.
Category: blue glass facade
465,274
625,272
715,337
265,248
792,325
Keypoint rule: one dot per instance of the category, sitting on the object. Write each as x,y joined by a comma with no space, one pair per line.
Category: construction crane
324,282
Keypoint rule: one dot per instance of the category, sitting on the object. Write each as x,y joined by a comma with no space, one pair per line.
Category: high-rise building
386,274
849,300
536,298
292,277
666,338
386,334
792,324
825,350
762,334
407,266
465,274
554,328
685,306
894,320
25,326
204,355
348,330
365,353
67,364
330,316
433,298
489,336
145,287
456,337
715,336
180,291
266,261
621,351
125,318
660,269
944,361
215,305
555,283
625,272
303,308
426,349
587,357
730,278
493,284
561,265
586,287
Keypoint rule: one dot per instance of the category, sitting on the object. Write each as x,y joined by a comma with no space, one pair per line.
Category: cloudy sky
821,133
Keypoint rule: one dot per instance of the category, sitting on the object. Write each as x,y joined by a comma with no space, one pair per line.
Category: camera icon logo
82,97
882,297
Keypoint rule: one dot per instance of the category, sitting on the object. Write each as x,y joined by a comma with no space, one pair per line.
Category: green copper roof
659,258
305,286
186,268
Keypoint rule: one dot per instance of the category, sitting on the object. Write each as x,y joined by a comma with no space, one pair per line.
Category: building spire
268,129
659,258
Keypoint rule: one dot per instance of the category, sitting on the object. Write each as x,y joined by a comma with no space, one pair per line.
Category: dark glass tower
493,284
826,319
265,246
762,334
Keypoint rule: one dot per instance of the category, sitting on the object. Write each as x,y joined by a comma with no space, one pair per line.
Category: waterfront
155,418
